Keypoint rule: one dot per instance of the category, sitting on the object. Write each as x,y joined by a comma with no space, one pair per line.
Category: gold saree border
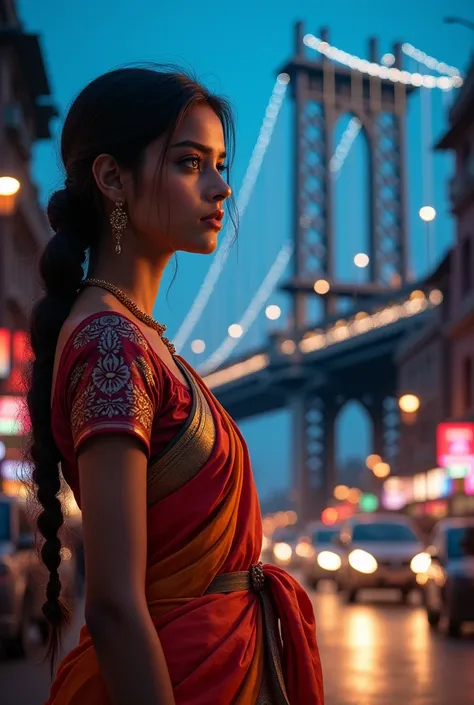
188,452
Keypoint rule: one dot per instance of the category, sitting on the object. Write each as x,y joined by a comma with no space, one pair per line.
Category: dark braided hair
119,113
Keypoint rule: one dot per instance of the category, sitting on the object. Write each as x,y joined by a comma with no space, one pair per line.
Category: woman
177,608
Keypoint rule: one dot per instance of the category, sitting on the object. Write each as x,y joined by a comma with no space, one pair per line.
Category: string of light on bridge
344,147
248,184
371,68
429,61
338,332
261,297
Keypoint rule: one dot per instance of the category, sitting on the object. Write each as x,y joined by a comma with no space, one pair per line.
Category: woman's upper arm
111,398
112,475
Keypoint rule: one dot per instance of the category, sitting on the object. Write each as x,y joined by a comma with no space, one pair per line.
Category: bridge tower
322,91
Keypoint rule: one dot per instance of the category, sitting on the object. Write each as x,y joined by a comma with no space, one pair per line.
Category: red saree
203,521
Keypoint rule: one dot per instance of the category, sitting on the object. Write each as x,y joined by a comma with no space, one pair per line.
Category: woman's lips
212,223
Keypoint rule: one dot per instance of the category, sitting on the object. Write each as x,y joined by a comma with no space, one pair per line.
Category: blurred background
338,330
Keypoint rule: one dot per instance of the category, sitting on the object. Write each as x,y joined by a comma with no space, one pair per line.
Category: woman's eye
222,167
193,162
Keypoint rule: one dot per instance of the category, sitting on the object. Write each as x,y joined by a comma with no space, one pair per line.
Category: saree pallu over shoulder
204,525
187,454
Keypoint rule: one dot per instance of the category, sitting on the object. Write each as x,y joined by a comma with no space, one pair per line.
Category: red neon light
329,516
21,358
5,360
455,445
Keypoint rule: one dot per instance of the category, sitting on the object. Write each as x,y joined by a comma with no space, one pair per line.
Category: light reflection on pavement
379,652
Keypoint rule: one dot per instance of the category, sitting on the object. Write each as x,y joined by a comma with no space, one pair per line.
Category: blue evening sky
236,49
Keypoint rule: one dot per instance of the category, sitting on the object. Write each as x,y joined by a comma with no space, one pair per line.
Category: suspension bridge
337,337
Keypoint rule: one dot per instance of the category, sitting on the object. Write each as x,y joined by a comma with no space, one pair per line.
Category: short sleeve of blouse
112,382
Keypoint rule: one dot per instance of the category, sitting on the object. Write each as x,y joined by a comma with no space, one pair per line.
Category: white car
324,559
380,551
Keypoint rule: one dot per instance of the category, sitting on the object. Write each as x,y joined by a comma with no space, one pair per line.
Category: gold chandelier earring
118,221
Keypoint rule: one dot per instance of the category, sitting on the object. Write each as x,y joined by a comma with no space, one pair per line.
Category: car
324,560
283,546
449,580
379,551
22,580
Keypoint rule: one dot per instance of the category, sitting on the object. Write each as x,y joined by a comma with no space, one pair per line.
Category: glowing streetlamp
354,495
381,470
427,215
235,330
198,346
361,260
341,492
321,286
273,312
9,188
372,460
409,405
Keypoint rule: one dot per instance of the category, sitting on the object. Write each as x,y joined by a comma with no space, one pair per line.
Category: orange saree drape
213,643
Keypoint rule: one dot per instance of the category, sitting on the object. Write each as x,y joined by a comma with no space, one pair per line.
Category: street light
381,470
235,330
273,312
427,215
198,346
372,460
461,21
409,403
9,188
361,260
321,286
341,492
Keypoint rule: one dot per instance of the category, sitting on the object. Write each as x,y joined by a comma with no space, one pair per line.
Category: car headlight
362,561
304,550
282,551
328,560
420,563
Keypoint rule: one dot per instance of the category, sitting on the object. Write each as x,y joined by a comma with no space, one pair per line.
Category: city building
435,474
460,140
25,114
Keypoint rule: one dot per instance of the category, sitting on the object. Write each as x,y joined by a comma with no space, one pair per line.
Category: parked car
23,579
449,582
379,551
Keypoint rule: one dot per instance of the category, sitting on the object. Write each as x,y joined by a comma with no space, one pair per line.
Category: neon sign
455,448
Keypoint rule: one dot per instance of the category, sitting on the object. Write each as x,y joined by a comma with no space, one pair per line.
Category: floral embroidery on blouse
110,322
114,387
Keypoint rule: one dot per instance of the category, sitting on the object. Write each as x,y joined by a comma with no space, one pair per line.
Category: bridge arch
353,430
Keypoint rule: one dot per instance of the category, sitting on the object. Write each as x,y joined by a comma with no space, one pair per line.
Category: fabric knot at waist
254,579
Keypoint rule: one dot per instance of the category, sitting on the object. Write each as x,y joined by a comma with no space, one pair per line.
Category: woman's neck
136,275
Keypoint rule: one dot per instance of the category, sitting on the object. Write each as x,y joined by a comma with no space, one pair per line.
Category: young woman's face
181,207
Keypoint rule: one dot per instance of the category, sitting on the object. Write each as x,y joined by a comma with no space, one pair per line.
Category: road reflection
379,652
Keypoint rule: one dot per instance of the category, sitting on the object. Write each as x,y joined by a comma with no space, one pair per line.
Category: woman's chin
204,245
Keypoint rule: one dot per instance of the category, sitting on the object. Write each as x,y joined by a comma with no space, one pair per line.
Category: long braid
61,269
